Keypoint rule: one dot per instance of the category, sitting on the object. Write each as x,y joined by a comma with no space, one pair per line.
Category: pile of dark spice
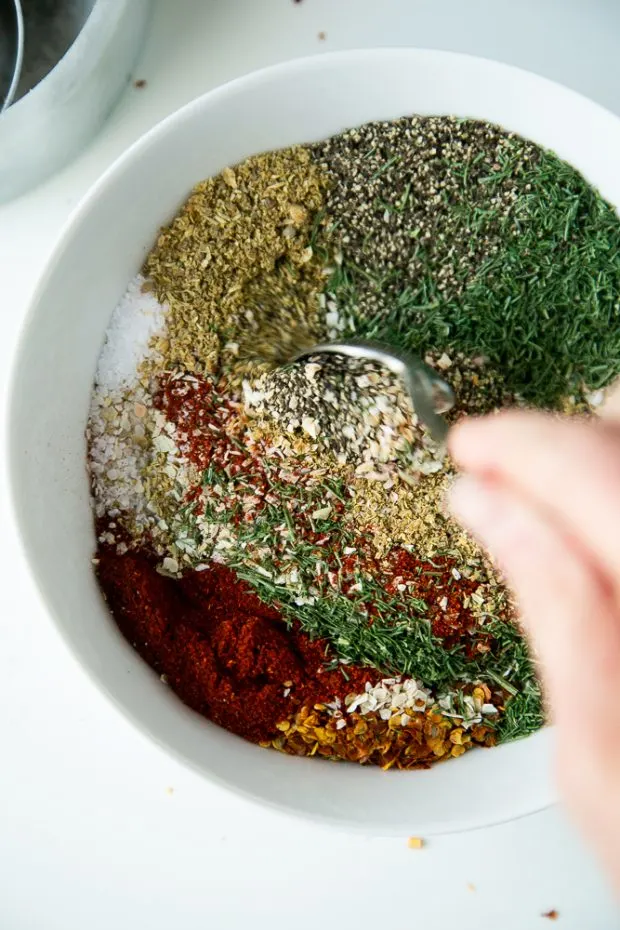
423,193
271,536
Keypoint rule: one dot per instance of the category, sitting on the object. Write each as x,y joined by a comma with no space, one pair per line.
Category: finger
610,410
565,605
573,621
570,467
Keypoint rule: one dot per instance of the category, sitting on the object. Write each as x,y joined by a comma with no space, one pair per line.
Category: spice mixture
271,536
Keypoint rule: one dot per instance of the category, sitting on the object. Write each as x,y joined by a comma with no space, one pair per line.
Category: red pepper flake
434,583
551,915
415,842
213,436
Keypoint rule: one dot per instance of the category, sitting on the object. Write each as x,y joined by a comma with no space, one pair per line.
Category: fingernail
501,522
474,503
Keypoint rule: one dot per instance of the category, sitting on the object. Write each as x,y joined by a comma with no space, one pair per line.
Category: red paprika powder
225,653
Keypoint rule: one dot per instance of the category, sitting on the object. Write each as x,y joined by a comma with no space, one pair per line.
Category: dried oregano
249,224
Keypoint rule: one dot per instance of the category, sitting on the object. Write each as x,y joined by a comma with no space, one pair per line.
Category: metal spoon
429,393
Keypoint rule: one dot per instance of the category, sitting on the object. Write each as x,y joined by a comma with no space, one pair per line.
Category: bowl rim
97,190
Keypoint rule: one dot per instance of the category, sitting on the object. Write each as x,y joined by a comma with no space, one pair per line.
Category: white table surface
99,828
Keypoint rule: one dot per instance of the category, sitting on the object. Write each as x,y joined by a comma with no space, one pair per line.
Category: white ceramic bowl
101,248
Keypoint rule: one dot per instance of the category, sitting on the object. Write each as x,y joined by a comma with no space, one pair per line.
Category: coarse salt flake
135,321
310,426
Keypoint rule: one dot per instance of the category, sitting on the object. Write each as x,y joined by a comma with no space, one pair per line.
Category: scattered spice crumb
551,915
169,791
140,83
471,886
415,842
322,36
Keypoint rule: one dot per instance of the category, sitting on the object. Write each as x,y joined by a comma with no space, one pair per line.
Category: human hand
543,495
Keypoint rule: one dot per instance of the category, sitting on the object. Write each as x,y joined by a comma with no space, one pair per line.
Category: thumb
571,614
610,409
566,605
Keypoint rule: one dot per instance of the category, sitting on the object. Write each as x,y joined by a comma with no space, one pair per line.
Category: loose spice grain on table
271,538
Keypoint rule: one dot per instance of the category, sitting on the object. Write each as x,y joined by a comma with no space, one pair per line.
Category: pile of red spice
225,653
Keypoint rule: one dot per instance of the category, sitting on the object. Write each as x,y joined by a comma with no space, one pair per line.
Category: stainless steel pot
56,117
11,50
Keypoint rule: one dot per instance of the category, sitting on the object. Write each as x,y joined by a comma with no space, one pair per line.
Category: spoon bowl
430,394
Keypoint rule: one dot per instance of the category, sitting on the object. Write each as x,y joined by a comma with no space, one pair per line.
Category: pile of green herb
458,236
